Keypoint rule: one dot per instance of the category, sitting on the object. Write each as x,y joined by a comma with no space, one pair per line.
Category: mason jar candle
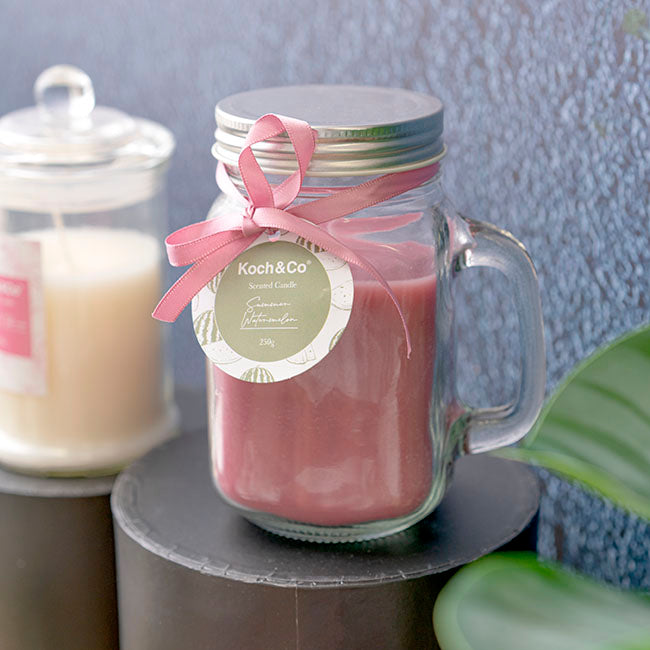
322,288
85,385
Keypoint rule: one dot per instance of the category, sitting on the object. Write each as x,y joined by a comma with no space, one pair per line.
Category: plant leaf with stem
595,428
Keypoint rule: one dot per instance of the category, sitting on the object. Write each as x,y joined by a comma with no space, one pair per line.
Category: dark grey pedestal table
57,560
193,574
57,572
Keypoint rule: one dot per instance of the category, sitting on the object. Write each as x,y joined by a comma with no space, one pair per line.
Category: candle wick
57,218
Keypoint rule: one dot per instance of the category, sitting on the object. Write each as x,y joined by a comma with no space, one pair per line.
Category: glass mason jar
85,384
363,443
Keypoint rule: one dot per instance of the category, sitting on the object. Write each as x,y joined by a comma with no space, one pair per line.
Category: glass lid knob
64,94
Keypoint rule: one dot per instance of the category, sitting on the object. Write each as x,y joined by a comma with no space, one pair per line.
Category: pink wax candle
348,440
321,428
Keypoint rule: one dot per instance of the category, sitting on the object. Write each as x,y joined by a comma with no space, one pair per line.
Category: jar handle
490,428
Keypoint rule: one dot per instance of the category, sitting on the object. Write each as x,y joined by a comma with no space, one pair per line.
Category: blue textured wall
547,124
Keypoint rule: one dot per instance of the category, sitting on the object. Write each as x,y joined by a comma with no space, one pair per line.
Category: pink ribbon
209,246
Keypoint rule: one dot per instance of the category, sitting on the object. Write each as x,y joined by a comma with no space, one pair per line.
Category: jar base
334,535
362,532
348,533
100,460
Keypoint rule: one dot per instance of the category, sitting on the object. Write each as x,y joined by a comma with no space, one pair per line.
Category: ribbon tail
359,197
273,218
194,242
196,277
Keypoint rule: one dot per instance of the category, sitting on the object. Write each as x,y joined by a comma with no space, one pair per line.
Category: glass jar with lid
85,383
328,314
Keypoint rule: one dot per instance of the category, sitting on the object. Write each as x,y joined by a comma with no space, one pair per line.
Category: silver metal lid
362,130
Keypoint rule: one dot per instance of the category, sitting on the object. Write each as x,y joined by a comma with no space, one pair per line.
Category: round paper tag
275,311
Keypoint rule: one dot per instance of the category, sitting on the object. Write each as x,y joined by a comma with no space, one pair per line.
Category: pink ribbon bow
209,246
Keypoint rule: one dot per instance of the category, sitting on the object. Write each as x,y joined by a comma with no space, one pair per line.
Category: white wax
107,399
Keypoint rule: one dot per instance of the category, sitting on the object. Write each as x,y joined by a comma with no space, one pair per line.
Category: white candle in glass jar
104,400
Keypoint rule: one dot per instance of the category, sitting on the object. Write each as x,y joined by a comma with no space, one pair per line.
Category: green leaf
595,429
514,601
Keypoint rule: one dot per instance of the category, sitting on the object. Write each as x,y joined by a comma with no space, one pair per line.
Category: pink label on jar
22,317
15,336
